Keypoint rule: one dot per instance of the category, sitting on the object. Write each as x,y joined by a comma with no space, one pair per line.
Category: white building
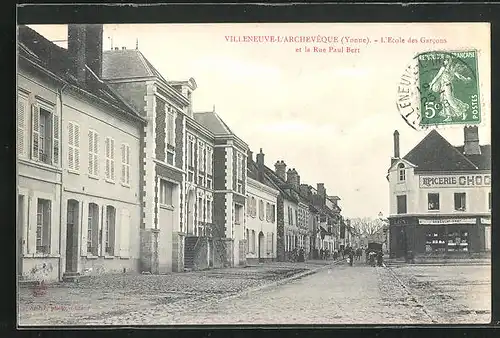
440,196
260,225
78,155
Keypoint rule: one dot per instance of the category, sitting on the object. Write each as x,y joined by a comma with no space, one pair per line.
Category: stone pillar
178,251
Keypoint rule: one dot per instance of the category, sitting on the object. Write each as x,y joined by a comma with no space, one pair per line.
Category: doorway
20,235
262,248
71,236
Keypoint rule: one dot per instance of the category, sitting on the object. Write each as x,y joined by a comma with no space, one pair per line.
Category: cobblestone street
335,294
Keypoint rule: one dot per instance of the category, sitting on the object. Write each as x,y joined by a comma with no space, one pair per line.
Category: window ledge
125,258
41,255
125,185
90,256
166,206
109,181
73,171
109,257
94,177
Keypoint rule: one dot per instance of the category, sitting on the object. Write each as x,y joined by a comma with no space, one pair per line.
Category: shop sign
485,221
440,221
454,181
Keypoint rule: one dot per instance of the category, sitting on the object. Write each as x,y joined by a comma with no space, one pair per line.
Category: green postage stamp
449,88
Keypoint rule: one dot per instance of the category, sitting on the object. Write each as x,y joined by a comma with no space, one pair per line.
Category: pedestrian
351,257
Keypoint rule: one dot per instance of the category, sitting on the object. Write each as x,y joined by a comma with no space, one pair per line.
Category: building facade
440,196
261,224
78,154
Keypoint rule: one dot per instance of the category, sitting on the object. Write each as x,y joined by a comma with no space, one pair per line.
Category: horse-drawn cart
373,250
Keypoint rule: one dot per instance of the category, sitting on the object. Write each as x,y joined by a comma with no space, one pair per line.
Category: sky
331,116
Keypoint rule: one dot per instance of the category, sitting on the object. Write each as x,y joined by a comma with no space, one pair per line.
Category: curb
415,298
281,281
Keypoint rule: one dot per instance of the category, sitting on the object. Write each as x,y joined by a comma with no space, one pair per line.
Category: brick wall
179,141
280,229
219,216
160,130
219,169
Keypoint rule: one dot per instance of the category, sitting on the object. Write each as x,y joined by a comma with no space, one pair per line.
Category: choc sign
455,181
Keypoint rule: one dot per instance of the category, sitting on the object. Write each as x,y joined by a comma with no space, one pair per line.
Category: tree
369,227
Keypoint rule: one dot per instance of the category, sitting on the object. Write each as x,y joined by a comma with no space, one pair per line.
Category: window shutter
77,147
128,165
124,233
21,125
123,148
85,222
71,144
96,154
107,158
35,131
55,140
91,154
112,152
33,205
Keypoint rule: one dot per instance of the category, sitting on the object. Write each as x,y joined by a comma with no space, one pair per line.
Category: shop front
439,235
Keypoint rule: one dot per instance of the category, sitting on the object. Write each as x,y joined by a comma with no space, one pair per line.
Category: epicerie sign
447,221
454,181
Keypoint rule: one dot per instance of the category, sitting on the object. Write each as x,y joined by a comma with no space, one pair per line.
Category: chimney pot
280,169
471,141
124,48
116,48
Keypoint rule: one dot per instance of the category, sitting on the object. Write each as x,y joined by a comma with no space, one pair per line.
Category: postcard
253,173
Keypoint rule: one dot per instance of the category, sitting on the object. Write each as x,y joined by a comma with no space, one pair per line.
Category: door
262,247
20,236
71,233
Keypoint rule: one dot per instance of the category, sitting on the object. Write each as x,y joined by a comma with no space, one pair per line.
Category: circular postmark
440,88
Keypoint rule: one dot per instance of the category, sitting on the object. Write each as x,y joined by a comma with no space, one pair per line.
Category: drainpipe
60,92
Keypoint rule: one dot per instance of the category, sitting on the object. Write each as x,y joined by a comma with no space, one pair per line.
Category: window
201,179
209,183
237,214
125,178
73,146
93,153
253,241
253,207
44,132
201,160
401,172
43,226
110,230
93,229
489,201
200,209
458,241
191,151
45,136
239,167
171,126
401,204
248,240
296,218
261,210
433,201
460,201
166,192
110,159
268,212
273,213
209,211
209,160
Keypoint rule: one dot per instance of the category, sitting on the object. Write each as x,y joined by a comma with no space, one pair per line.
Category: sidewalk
443,260
112,295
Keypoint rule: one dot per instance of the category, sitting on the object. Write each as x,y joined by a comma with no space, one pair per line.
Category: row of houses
117,173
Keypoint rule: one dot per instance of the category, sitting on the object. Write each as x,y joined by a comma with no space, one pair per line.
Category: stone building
260,225
440,196
78,156
194,182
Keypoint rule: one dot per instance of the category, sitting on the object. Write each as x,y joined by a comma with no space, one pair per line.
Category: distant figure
351,257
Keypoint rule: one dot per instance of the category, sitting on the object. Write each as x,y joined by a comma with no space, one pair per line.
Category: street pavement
269,294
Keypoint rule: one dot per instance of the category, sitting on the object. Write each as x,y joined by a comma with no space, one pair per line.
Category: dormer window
401,172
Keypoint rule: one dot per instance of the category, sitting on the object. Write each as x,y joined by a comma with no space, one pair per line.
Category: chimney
76,50
260,164
124,48
320,187
280,169
292,178
304,190
250,156
85,48
471,141
396,144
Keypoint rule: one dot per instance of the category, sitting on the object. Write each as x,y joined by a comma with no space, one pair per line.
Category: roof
435,153
212,122
56,60
483,161
127,63
253,173
280,184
